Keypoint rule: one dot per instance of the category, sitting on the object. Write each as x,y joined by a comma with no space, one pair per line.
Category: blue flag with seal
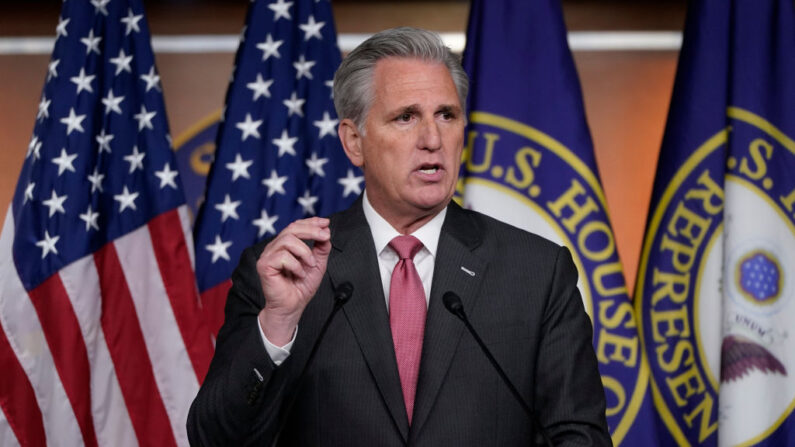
715,290
529,161
278,157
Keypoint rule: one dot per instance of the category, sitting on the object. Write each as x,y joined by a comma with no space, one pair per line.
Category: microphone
342,293
453,304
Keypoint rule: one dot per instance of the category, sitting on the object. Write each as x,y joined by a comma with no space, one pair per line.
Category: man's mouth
429,169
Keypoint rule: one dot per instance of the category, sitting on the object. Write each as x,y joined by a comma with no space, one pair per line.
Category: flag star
33,148
260,87
315,165
275,183
90,218
270,47
52,69
152,79
167,177
228,208
281,9
294,105
47,244
29,192
96,180
265,223
308,201
91,42
285,143
132,22
351,183
55,203
60,30
327,126
122,62
218,249
104,141
144,118
126,199
99,6
73,122
82,81
44,108
330,85
112,103
249,127
243,34
303,67
311,28
64,162
239,167
136,160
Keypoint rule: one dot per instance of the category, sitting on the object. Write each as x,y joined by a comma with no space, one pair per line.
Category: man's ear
351,141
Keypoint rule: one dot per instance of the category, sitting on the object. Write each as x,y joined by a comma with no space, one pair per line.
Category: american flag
278,157
102,341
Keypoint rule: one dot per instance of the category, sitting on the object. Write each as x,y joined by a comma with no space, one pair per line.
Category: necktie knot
406,246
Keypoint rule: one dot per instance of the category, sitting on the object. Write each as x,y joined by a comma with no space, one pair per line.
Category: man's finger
285,263
315,229
321,249
295,247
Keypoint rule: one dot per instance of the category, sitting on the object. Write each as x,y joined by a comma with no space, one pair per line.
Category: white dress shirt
383,233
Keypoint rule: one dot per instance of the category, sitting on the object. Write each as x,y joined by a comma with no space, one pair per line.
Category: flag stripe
187,230
173,260
213,302
7,435
111,420
25,336
62,331
128,351
170,361
19,410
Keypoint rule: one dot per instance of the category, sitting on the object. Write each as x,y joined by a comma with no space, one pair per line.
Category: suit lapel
459,270
354,259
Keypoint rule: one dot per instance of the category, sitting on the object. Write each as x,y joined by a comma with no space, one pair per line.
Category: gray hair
353,81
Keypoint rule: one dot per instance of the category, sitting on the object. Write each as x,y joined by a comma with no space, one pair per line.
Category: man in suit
395,367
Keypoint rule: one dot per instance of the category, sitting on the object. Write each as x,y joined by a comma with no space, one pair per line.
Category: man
395,367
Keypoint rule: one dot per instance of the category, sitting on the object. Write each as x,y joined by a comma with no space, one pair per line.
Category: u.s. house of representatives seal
526,178
715,287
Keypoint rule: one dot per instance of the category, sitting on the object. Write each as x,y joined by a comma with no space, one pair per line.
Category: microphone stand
341,296
454,305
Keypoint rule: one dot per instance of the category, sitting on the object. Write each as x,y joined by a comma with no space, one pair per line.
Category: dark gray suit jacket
522,299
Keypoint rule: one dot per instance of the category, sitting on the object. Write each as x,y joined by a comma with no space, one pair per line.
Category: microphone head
343,293
453,304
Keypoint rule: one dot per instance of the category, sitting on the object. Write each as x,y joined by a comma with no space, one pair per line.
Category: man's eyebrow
448,108
411,108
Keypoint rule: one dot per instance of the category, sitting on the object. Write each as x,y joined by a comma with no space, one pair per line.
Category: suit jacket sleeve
241,394
570,396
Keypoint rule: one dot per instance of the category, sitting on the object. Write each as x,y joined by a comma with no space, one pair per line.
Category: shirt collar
383,232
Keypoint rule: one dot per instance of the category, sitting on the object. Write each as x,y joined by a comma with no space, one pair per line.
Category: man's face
410,149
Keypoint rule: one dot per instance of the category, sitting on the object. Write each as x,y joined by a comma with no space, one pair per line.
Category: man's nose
430,138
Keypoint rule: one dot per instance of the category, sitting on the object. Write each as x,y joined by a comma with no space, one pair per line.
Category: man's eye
404,117
447,115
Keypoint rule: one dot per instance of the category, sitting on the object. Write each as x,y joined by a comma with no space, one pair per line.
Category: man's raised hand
290,273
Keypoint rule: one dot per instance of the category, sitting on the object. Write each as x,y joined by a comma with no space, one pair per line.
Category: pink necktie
407,308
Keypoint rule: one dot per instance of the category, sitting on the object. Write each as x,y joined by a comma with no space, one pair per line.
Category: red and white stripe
111,350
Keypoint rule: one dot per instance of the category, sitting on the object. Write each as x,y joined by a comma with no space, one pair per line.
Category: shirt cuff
276,353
